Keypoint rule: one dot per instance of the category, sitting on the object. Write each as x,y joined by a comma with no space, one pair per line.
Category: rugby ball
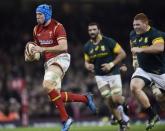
29,55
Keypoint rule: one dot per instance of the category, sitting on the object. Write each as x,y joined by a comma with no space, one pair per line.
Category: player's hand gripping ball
29,55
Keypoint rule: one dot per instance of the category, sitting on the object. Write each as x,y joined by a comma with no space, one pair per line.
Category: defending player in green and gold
102,56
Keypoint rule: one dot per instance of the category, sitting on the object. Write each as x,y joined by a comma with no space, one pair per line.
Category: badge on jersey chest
45,37
97,48
102,48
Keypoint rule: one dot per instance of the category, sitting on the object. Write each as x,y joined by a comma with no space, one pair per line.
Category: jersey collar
98,39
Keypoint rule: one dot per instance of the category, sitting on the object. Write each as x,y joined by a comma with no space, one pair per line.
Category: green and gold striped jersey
103,52
150,62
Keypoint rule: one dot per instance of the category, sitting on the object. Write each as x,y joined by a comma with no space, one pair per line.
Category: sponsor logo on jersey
46,42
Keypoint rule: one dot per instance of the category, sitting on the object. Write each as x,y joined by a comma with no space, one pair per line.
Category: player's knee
135,87
48,85
106,93
52,81
116,92
118,99
111,103
135,90
157,93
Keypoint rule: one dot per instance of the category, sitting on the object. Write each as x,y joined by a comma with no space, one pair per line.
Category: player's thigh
140,78
109,85
103,86
52,78
115,85
137,83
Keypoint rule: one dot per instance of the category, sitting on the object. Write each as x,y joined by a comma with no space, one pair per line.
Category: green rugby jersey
103,52
150,62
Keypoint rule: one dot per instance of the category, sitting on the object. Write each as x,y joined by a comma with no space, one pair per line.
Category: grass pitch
140,127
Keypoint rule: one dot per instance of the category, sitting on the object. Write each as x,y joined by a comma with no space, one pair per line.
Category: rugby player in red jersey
51,41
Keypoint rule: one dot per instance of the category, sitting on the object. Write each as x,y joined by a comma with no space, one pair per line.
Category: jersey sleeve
157,38
117,48
114,46
86,56
60,32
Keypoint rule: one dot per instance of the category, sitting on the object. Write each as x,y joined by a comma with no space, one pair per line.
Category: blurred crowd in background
18,78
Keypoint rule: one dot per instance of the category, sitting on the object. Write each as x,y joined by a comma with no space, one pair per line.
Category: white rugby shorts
114,82
159,80
63,60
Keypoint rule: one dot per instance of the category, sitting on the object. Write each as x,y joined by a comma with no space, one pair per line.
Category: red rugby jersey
48,36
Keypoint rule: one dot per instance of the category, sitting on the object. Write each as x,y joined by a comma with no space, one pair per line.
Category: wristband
111,64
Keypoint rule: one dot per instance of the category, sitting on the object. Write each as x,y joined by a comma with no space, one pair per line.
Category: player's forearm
135,62
153,49
119,57
89,66
134,57
86,64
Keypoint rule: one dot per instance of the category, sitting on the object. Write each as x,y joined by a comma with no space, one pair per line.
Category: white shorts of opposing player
159,80
114,82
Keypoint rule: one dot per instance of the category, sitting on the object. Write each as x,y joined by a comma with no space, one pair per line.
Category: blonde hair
143,17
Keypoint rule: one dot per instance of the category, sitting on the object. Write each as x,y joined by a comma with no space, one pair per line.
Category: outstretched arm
156,47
